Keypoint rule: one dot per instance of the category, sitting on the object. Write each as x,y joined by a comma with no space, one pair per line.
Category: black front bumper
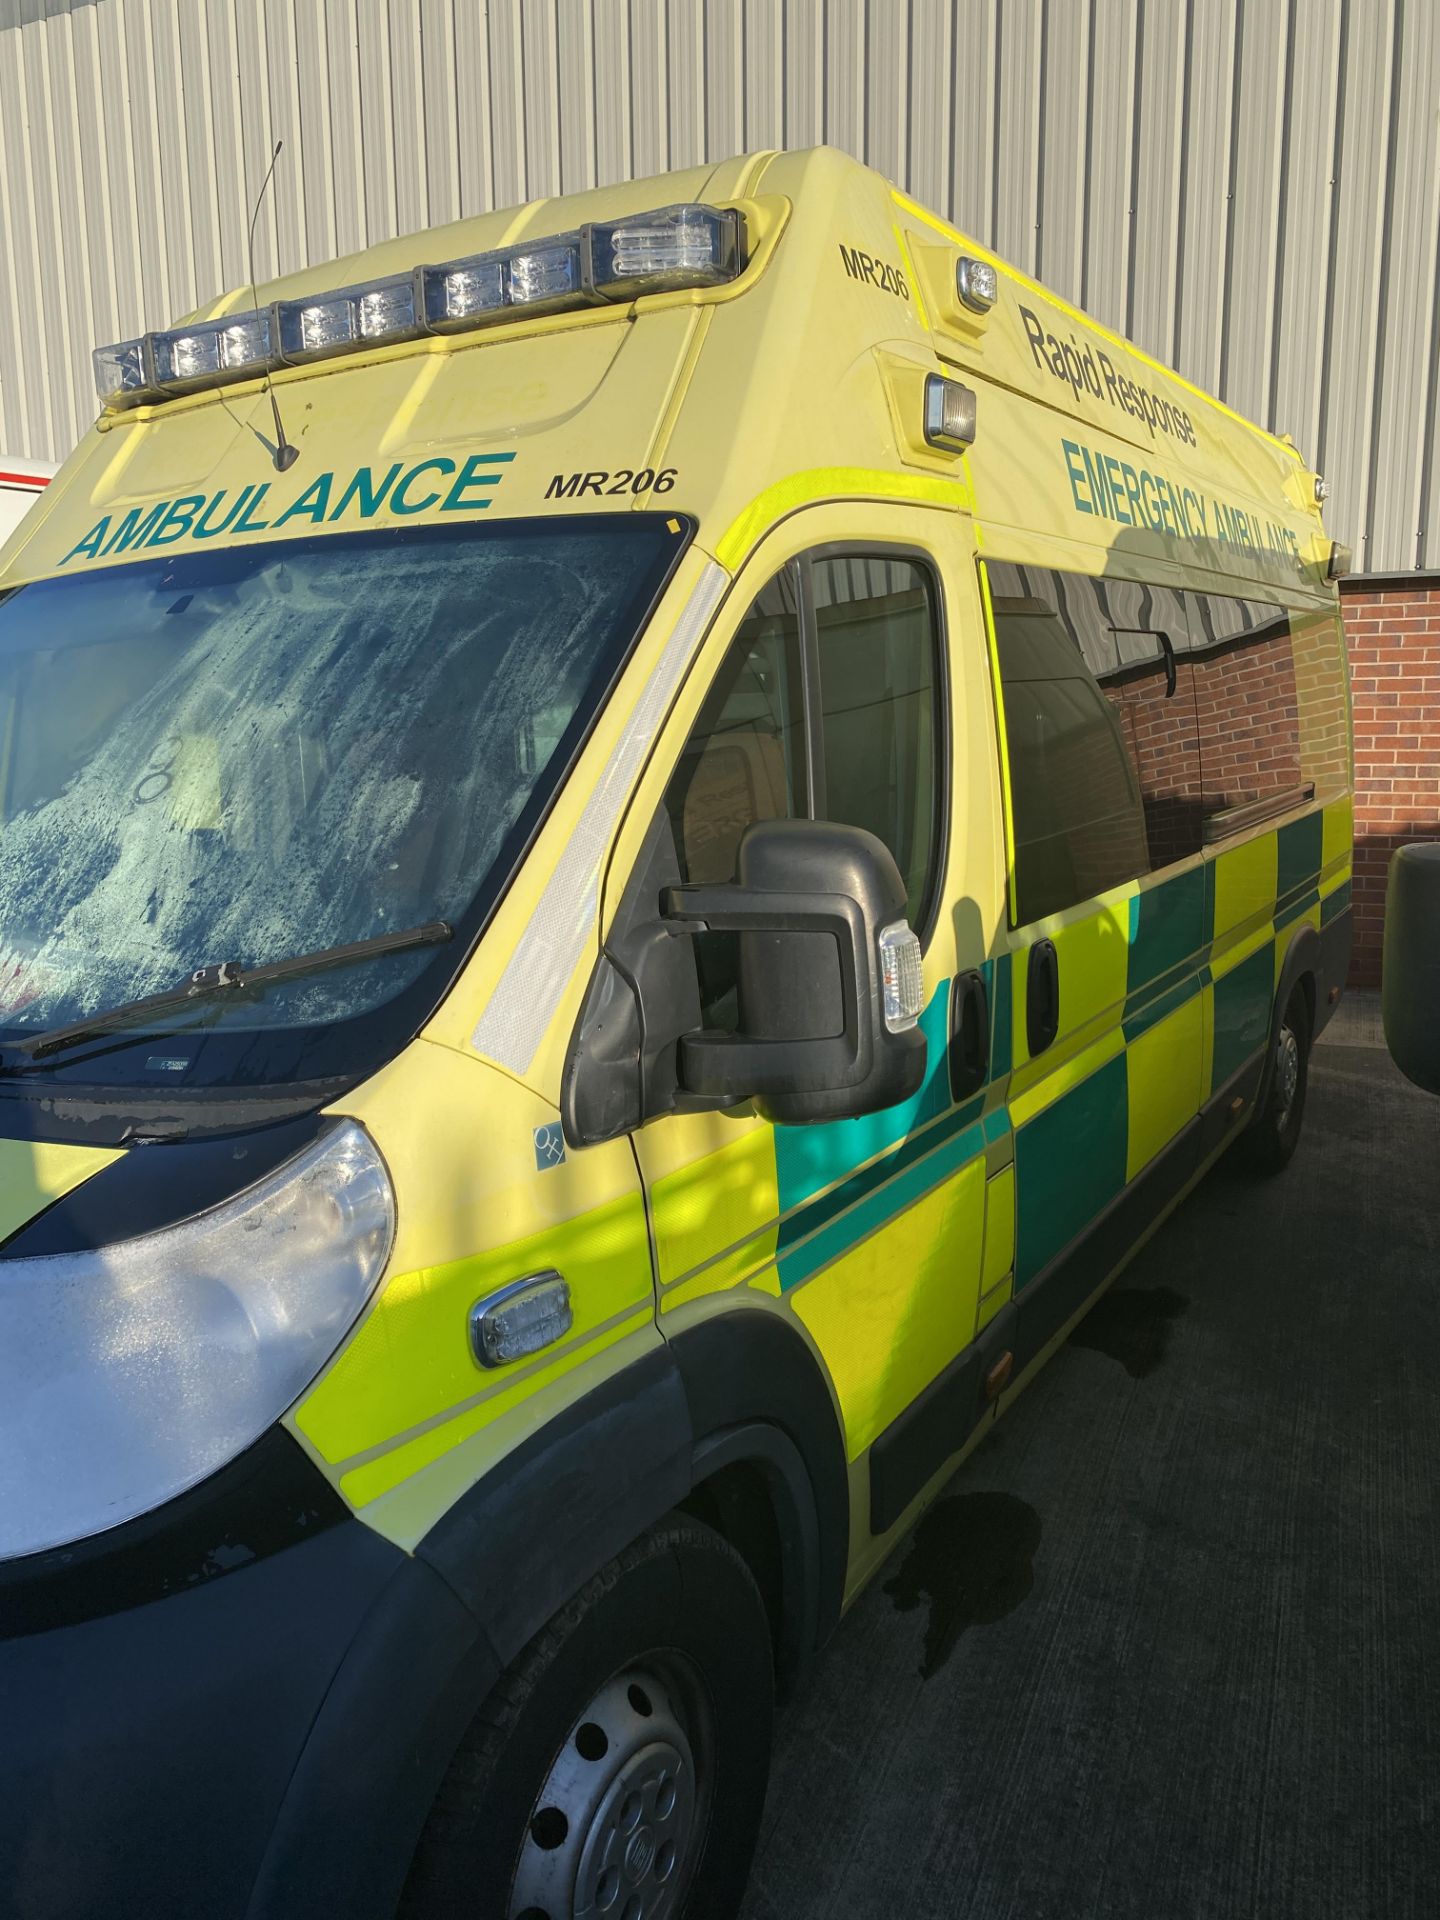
258,1738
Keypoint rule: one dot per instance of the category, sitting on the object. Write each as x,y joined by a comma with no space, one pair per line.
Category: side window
745,759
1147,674
827,707
877,638
1249,704
1079,822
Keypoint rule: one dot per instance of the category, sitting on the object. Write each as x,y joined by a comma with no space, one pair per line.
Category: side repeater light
977,283
949,413
521,1319
614,261
902,980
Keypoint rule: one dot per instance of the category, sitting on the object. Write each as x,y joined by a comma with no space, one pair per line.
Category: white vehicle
21,483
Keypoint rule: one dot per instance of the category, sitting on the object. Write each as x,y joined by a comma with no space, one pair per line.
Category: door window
827,707
745,759
875,627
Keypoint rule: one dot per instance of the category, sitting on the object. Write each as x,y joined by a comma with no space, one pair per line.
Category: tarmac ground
1169,1644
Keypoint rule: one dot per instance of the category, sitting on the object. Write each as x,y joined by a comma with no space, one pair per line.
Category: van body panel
833,1312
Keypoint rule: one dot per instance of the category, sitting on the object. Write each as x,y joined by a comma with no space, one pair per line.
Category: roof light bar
672,248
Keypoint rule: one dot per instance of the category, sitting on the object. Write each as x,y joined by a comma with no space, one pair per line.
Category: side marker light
523,1318
949,413
977,283
998,1378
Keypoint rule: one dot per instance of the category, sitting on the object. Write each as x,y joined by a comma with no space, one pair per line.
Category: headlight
132,1371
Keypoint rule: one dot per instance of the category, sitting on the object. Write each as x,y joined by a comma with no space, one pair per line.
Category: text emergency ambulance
614,915
21,484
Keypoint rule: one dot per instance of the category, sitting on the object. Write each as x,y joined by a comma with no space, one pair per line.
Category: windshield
249,754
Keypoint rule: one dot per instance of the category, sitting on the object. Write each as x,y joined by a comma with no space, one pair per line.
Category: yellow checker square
999,1228
1160,1100
888,1314
1093,948
410,1360
1245,880
33,1173
1337,834
716,1203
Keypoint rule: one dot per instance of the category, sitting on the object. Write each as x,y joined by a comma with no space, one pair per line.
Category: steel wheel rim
617,1826
1287,1075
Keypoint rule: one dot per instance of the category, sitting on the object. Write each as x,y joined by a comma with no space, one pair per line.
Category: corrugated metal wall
1250,188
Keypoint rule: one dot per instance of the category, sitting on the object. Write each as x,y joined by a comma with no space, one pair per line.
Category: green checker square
1069,1164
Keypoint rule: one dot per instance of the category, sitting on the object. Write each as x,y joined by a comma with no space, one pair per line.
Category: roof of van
802,379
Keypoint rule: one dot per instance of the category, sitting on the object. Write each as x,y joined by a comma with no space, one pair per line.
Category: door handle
969,1035
1042,996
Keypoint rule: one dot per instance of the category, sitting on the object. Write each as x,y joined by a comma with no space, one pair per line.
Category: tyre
618,1769
1269,1142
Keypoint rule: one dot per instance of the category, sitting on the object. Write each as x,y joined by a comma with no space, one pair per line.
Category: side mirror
829,982
827,985
1410,996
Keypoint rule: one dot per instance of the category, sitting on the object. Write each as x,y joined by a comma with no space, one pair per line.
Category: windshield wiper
229,976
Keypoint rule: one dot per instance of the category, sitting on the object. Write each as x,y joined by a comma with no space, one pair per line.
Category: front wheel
618,1770
1269,1142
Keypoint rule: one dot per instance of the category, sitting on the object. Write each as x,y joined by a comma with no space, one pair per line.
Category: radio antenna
283,453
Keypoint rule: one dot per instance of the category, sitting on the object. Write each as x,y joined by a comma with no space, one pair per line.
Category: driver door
826,693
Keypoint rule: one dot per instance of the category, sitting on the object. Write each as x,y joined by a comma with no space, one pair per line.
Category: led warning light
122,373
466,291
680,246
235,348
372,314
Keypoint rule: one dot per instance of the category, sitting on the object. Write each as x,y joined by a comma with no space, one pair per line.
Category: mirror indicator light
902,982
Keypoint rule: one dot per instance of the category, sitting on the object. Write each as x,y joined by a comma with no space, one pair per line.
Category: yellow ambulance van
642,839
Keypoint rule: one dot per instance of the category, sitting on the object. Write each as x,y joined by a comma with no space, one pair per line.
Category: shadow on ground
1170,1643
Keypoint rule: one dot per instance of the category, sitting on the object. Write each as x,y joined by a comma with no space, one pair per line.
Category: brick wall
1393,634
